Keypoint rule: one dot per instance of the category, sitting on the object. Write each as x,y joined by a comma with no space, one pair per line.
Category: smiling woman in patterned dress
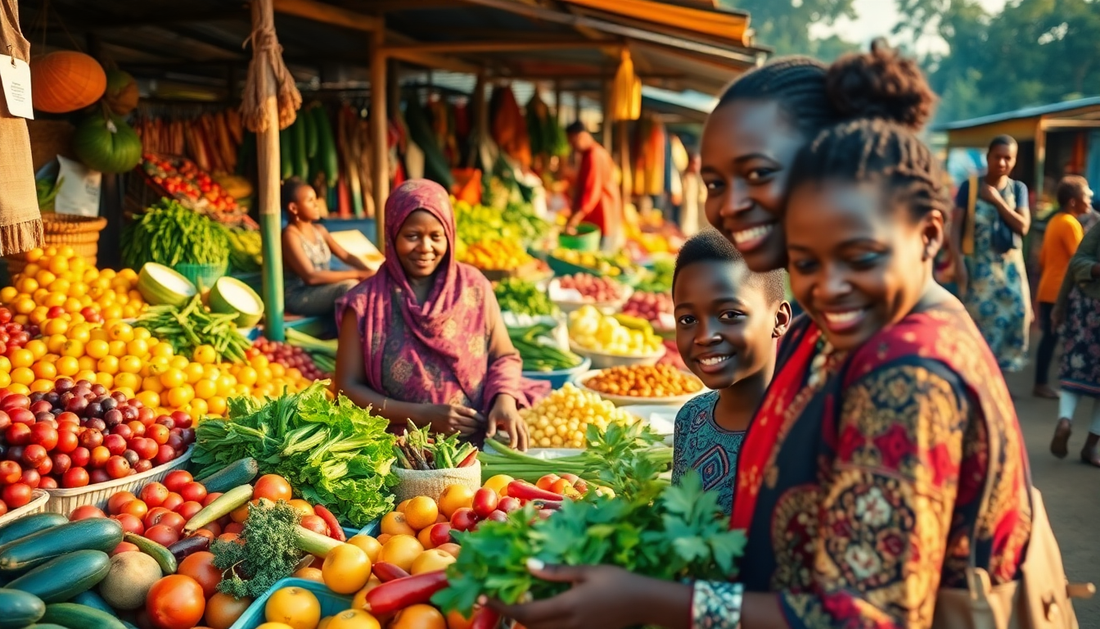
424,339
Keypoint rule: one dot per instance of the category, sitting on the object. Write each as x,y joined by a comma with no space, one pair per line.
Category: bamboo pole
379,131
268,173
608,123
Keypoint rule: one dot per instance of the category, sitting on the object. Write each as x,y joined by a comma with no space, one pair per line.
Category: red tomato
211,498
188,509
99,456
136,508
173,521
116,444
315,523
485,502
154,494
86,512
129,523
44,435
17,495
173,501
44,468
193,492
175,602
47,482
81,457
118,467
29,477
75,477
200,567
137,429
18,434
165,454
547,481
67,441
154,515
147,449
176,479
464,519
10,471
98,476
273,487
158,433
162,535
115,502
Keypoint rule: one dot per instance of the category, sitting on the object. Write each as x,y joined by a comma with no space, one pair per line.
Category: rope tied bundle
267,51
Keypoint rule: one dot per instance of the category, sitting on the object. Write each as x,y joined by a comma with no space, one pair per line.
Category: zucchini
64,577
223,505
311,132
48,625
93,600
19,608
326,147
75,616
233,475
30,524
34,550
165,559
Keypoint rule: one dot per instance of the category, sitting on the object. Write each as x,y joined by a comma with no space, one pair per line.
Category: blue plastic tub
372,529
331,602
560,378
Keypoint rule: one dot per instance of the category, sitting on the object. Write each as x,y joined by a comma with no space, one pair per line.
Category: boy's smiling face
725,326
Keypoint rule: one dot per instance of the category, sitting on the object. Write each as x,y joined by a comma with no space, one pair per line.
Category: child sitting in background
728,320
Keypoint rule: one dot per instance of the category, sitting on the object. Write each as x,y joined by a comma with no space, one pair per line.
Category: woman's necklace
820,363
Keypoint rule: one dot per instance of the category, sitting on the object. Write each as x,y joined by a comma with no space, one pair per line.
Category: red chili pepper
469,460
401,593
335,531
387,572
485,618
526,491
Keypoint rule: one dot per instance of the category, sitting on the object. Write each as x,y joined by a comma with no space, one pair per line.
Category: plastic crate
331,602
39,498
65,501
372,529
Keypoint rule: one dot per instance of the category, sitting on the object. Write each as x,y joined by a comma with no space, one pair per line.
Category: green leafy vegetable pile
332,452
523,297
665,532
269,552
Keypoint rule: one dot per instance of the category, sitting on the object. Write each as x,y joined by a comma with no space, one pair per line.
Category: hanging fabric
20,220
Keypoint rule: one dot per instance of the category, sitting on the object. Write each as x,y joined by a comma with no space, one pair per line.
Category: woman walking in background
1063,234
991,219
1078,313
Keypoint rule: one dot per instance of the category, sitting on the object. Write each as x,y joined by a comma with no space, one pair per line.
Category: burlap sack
20,222
431,483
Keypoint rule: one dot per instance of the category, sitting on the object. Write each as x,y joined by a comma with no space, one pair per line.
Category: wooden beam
94,22
430,60
328,14
499,46
379,128
612,28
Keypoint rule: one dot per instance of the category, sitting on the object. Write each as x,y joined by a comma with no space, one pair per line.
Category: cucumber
34,550
76,616
165,559
30,524
19,608
64,577
326,147
223,505
233,475
311,132
48,625
93,600
286,164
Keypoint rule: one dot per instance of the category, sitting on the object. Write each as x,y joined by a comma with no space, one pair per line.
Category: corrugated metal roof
1021,114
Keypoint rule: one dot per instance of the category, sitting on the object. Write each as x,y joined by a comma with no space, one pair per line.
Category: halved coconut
159,285
232,296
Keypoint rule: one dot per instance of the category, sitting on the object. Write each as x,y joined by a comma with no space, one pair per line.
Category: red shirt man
596,197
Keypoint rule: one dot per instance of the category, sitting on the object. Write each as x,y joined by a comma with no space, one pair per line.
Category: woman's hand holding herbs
449,419
504,417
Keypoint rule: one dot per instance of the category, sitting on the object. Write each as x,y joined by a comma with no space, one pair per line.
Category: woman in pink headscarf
423,339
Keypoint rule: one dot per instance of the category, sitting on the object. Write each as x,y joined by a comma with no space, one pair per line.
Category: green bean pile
168,233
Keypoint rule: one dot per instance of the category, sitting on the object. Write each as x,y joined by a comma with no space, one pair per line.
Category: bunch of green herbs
652,529
269,552
331,451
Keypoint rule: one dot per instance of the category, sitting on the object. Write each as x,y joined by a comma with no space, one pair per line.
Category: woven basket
431,483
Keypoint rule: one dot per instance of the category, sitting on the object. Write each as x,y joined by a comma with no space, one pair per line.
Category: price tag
15,74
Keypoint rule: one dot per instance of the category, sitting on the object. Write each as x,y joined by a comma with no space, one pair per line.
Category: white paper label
16,77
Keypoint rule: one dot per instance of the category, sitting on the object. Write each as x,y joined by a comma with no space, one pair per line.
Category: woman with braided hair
860,486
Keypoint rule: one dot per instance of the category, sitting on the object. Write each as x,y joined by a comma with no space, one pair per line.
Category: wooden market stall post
271,102
379,131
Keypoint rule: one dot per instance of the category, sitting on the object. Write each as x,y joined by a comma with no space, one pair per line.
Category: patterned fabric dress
1080,371
701,444
861,493
998,297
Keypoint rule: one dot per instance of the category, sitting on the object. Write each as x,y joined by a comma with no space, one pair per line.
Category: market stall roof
675,44
1024,124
